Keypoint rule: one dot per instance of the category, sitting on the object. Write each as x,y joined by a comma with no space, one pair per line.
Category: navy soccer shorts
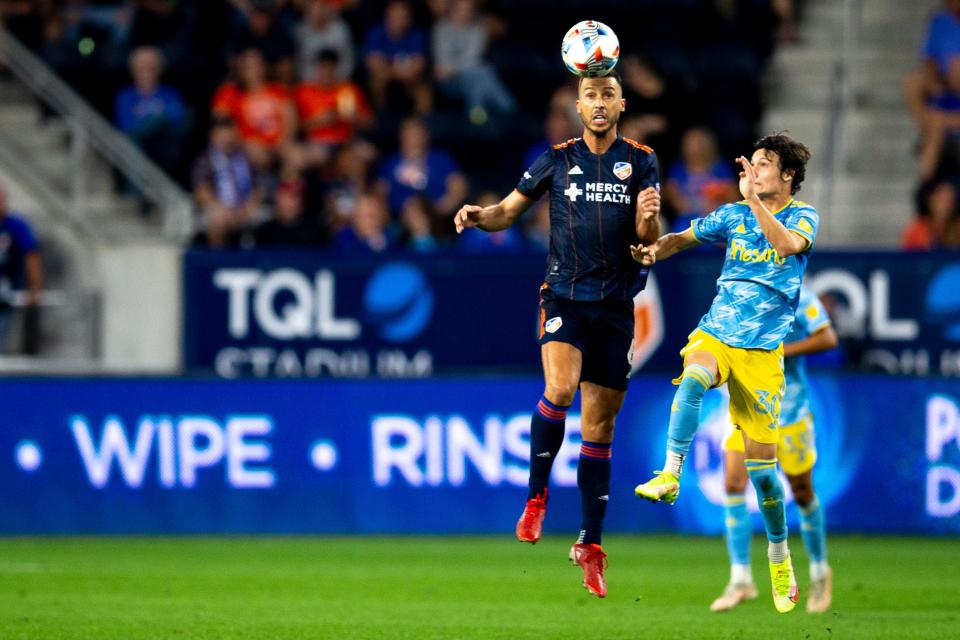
602,331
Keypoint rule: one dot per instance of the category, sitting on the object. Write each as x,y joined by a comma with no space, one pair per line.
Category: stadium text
863,311
310,311
179,447
266,362
437,451
943,479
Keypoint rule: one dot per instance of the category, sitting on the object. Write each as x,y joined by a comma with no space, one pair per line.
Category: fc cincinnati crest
622,170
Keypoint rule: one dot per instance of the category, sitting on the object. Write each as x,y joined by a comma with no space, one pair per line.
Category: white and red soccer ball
590,49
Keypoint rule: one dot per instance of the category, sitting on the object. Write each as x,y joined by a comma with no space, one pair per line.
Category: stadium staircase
63,165
839,90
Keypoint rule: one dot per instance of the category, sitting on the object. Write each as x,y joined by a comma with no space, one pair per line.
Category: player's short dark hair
613,74
793,156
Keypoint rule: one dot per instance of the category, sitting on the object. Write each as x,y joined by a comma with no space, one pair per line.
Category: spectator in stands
225,188
418,169
20,266
655,110
258,28
346,182
369,229
330,109
459,41
933,90
936,224
699,182
264,114
165,24
395,54
289,227
323,29
559,126
509,240
152,114
416,220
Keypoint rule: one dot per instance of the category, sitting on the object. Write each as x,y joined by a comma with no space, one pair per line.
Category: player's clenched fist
644,254
468,216
649,201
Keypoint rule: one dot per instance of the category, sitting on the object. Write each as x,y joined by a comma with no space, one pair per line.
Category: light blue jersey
811,317
757,291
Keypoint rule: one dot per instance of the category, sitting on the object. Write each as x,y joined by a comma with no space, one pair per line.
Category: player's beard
611,127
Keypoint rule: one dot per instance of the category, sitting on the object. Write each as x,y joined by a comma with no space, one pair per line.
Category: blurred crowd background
363,126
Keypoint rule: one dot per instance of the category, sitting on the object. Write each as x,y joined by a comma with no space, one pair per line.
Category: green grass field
470,587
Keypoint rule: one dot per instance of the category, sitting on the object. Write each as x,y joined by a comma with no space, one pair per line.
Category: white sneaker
734,594
821,594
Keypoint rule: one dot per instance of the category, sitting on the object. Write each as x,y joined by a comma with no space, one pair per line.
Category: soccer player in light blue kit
797,453
739,342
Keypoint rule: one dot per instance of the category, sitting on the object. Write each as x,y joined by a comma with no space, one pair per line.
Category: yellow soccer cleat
821,594
785,592
664,487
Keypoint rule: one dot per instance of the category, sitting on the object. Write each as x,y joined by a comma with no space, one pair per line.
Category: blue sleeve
804,221
23,235
537,179
124,110
418,43
373,43
174,105
811,315
929,50
446,164
649,171
712,228
387,168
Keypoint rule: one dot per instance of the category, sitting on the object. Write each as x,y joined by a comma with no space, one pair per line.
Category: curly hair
793,156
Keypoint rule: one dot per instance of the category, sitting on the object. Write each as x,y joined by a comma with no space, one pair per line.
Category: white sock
818,570
777,551
674,463
741,574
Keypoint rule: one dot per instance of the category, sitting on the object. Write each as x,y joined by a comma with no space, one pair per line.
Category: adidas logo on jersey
575,171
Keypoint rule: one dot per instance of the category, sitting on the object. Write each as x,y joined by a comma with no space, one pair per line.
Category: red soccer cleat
531,521
593,561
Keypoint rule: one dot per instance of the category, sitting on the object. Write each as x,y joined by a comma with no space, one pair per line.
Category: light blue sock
685,414
763,475
813,530
738,528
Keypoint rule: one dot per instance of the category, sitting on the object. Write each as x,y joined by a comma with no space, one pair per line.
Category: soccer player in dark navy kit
604,197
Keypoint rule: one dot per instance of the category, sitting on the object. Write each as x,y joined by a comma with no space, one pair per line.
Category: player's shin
813,530
685,415
546,436
593,479
737,523
763,475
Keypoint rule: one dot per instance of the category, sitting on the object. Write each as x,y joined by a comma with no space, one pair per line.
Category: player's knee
560,394
802,489
735,484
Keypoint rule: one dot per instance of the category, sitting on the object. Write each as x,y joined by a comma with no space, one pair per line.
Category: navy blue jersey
593,216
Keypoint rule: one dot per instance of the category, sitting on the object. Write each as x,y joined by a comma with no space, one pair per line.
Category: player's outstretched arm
495,217
666,246
785,242
823,340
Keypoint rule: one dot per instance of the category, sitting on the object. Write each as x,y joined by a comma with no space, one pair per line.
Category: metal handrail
842,96
89,129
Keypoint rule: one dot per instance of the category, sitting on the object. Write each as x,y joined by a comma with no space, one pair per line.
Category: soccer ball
590,49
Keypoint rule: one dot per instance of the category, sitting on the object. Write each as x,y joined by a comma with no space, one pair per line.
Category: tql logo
286,305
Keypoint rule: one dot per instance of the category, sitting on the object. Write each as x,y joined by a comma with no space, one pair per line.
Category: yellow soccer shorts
754,378
796,448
